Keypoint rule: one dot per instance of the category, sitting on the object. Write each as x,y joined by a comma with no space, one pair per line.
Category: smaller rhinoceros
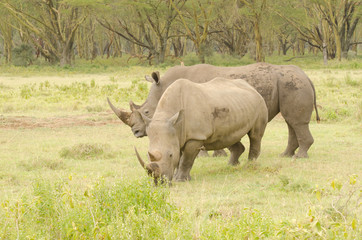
210,116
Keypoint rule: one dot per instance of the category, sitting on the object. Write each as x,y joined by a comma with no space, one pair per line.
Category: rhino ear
149,78
177,118
133,106
156,77
146,119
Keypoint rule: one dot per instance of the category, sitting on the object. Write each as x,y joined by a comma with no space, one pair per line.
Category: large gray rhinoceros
285,88
212,116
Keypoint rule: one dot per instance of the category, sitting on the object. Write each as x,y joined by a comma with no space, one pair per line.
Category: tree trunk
301,48
7,51
258,42
7,34
338,43
162,51
66,58
325,56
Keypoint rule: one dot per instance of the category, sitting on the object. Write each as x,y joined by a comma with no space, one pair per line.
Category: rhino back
265,78
213,110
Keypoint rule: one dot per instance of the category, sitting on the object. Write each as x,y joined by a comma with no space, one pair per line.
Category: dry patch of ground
91,119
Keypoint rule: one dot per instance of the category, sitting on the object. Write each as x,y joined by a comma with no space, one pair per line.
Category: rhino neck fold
182,132
182,135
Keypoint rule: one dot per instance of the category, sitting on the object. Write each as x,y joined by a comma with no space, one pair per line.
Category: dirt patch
96,119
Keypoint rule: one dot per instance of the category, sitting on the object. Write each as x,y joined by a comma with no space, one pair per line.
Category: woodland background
157,31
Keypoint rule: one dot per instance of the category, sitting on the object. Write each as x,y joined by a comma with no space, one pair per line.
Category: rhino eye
170,155
146,112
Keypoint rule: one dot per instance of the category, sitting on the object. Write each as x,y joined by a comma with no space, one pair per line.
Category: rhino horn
121,114
140,159
155,156
153,169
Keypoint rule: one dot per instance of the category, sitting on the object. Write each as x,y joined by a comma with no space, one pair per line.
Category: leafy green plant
27,91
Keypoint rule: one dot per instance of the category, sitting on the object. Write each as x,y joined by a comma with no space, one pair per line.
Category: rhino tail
315,102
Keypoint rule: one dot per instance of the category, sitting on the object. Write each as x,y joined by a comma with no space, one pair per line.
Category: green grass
125,64
68,168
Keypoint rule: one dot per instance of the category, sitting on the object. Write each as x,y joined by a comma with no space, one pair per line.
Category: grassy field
68,168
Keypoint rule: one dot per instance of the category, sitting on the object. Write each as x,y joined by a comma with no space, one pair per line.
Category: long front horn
123,115
139,158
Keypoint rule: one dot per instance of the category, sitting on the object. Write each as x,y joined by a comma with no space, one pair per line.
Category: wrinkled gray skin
285,89
212,116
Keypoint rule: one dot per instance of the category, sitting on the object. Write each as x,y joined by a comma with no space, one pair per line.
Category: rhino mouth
139,133
153,170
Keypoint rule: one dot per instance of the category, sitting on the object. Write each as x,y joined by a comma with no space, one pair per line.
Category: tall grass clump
84,151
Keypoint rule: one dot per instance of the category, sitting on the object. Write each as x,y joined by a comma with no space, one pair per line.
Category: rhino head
164,148
132,119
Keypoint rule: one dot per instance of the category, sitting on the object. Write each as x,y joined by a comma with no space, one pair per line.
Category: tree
254,10
343,17
306,18
326,24
196,18
146,24
6,33
54,22
231,30
284,33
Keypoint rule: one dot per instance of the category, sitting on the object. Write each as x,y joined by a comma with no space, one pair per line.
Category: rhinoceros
210,116
285,89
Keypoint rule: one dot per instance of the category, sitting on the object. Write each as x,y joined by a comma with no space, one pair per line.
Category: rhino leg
203,153
255,136
292,143
219,153
296,104
305,140
187,159
235,151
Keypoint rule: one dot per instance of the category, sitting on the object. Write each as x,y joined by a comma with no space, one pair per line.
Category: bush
23,55
85,151
125,210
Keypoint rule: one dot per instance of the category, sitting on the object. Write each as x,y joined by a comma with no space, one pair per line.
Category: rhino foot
184,179
234,163
286,155
301,155
219,153
180,177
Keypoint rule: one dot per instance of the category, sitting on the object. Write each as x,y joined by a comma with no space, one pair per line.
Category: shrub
125,210
85,151
23,55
